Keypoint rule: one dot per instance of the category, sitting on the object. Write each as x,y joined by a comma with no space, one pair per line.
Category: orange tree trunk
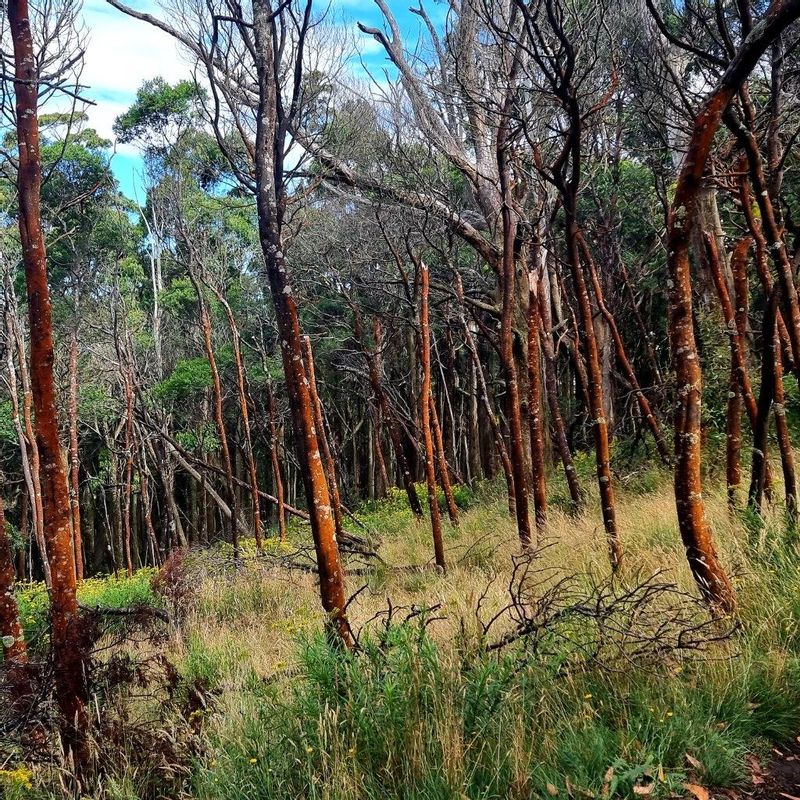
325,449
595,385
622,357
271,125
275,461
695,531
444,469
69,659
535,422
74,462
425,414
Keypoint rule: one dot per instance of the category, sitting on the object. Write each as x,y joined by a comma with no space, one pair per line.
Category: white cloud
121,54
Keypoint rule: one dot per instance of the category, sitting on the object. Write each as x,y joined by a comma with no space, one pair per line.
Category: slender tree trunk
784,437
74,458
66,640
595,387
444,469
765,398
497,433
551,389
319,423
374,367
35,460
30,472
127,506
12,638
535,422
513,400
241,385
622,357
425,414
271,202
275,462
219,417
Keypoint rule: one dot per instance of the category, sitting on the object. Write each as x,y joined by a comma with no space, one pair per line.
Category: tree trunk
219,418
695,532
444,469
595,387
513,400
425,414
275,462
497,433
74,460
66,640
765,398
539,483
374,367
12,638
319,424
622,357
559,430
241,385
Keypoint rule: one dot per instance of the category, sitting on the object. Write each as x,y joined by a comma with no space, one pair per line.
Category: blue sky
122,53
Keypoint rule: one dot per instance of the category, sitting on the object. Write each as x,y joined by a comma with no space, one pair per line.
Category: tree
66,640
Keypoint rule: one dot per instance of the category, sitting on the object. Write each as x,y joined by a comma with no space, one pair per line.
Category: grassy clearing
425,712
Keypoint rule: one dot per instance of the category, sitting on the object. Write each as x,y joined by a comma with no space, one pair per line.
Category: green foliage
7,433
104,591
190,377
158,105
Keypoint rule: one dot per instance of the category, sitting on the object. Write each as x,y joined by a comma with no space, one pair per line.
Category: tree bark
67,648
425,414
241,385
695,531
219,418
74,458
270,202
622,357
319,424
444,469
12,637
539,483
275,462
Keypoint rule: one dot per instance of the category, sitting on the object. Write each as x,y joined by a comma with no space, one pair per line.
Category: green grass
408,719
426,712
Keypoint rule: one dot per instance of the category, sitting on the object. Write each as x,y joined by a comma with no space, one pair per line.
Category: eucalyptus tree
47,56
256,65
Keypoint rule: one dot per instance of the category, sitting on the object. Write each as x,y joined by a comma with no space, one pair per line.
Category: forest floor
506,677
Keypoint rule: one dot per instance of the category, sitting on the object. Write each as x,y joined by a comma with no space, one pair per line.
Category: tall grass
424,711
